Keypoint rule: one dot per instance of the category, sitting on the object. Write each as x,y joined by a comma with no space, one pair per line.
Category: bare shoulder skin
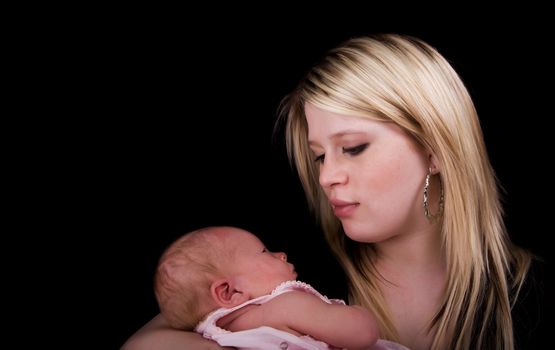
157,335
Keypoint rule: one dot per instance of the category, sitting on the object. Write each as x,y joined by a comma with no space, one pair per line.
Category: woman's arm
157,335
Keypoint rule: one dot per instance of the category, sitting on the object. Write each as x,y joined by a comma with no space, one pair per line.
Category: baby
225,284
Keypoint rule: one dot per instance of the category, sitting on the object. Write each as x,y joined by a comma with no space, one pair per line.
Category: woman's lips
343,209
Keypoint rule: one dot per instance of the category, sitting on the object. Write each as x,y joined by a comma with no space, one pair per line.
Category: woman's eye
355,150
319,159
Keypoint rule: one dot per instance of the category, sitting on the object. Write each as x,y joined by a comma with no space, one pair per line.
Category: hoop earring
432,217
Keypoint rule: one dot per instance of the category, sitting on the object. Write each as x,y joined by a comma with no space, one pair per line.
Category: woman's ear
434,163
226,295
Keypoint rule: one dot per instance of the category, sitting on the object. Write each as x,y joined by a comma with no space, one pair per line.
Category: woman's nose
331,174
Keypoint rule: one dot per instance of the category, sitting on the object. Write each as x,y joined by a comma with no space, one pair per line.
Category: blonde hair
403,80
184,276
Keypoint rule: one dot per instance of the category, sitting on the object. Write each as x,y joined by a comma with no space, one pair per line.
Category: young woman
388,146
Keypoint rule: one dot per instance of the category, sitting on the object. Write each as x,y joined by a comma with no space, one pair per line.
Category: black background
170,129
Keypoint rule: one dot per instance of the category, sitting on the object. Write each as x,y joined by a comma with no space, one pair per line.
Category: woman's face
372,173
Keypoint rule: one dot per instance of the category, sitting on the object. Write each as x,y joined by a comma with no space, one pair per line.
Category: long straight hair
403,80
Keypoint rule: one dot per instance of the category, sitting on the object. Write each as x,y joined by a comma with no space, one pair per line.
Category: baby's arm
343,326
157,334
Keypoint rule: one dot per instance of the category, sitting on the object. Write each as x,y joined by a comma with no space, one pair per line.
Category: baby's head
215,267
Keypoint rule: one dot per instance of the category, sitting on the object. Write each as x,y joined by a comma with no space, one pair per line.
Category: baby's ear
225,294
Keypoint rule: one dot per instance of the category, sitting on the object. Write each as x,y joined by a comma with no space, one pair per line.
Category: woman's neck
420,252
414,272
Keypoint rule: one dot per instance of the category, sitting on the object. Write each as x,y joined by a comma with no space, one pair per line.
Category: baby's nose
282,256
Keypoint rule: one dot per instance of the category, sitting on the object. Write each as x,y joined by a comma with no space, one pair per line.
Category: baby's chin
293,277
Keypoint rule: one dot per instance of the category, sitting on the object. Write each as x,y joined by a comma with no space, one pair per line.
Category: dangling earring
430,216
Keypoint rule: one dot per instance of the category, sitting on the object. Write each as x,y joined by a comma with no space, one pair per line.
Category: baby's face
257,269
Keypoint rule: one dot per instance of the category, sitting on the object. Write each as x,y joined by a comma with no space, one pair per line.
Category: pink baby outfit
267,338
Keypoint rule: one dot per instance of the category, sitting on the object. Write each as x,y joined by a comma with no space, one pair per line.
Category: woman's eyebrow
337,135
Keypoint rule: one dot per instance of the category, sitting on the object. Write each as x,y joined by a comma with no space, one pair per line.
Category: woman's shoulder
533,310
157,334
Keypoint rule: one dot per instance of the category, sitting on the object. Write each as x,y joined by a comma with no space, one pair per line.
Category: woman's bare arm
158,335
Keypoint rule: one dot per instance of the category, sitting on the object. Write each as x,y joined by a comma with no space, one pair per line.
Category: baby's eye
355,150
